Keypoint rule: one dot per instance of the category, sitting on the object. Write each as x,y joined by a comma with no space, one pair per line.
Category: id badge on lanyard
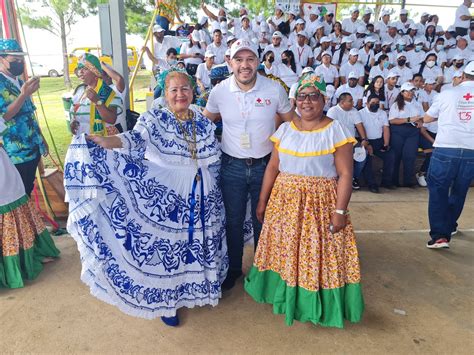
245,107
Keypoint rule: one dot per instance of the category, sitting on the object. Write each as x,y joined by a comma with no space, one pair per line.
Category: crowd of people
273,119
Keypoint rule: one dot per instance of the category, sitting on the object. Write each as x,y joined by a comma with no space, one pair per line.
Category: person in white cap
423,21
303,54
201,27
404,72
352,66
248,104
429,69
391,90
455,81
289,72
359,37
342,52
217,47
405,118
203,70
276,19
463,17
328,22
404,23
276,46
324,45
367,55
292,92
367,15
411,36
386,49
246,32
256,22
221,14
227,60
336,36
264,36
292,17
430,37
300,25
328,71
311,20
416,56
161,44
451,169
352,86
460,49
440,52
450,39
192,53
392,34
456,65
381,27
350,25
237,23
317,35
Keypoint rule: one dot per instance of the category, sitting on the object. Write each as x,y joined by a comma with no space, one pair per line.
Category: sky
86,32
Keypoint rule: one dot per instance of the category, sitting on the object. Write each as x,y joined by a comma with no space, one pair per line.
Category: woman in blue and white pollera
151,231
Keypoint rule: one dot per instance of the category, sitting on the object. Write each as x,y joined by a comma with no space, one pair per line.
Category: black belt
250,161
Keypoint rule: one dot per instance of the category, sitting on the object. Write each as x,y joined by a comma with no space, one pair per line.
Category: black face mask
285,61
459,65
271,59
374,107
402,62
387,50
16,68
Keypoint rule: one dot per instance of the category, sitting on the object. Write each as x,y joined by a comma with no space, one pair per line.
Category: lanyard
300,54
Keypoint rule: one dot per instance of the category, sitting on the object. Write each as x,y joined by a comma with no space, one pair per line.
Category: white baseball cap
326,53
307,70
325,39
419,40
354,51
195,36
385,13
392,24
277,34
458,57
230,38
430,81
403,12
243,17
209,54
469,69
158,28
407,86
361,29
299,21
451,29
347,39
202,20
354,9
240,45
393,74
370,39
368,11
302,33
399,55
424,14
387,43
352,75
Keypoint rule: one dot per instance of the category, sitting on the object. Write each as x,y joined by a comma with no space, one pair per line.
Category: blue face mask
172,62
418,48
386,64
401,47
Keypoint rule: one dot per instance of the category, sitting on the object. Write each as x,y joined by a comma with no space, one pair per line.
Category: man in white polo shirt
248,104
463,18
451,169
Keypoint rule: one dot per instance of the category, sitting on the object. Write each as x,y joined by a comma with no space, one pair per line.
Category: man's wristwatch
408,119
99,103
342,212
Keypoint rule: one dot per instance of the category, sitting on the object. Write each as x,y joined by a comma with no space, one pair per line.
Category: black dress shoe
229,281
389,187
374,189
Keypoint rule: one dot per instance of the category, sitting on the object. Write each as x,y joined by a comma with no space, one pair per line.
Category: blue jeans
238,180
450,174
404,142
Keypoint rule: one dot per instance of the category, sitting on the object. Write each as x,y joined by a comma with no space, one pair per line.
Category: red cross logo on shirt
468,96
259,100
310,7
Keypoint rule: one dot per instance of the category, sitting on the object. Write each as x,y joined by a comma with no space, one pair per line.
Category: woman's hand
338,222
111,142
260,212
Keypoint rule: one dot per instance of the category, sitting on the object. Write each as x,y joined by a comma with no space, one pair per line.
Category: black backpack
131,119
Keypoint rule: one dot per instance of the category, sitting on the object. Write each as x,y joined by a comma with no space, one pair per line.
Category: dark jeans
239,178
460,31
28,172
388,159
404,142
450,174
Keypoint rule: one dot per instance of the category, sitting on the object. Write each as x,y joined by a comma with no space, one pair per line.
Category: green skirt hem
13,205
26,265
326,307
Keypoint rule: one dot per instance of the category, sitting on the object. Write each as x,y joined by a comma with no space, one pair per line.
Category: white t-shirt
288,76
122,114
186,49
364,57
390,96
381,28
376,71
347,68
162,48
302,54
374,122
219,51
350,26
329,74
348,119
411,109
405,74
462,10
252,112
277,51
455,112
202,73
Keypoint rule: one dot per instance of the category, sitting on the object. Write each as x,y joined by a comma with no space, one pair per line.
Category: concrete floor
433,289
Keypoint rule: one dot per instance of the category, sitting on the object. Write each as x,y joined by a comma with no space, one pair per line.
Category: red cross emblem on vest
468,96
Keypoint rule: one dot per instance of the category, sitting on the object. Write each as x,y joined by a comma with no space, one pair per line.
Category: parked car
132,57
46,70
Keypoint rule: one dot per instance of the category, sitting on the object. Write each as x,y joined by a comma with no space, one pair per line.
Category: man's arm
212,116
115,76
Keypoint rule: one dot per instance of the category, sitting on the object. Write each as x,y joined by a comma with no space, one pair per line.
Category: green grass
51,92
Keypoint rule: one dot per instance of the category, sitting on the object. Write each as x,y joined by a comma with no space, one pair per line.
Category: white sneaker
421,180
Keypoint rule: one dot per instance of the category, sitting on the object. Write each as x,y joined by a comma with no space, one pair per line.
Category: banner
317,8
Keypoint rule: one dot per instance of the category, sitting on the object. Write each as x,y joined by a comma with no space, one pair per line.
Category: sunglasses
313,97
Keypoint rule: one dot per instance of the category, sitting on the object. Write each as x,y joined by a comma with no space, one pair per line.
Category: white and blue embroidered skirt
151,236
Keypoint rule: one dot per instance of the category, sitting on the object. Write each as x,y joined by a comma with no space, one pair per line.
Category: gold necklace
192,143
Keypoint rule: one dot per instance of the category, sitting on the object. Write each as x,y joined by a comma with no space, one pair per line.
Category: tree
57,17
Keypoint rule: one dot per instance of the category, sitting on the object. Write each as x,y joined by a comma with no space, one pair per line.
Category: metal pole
403,3
119,44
